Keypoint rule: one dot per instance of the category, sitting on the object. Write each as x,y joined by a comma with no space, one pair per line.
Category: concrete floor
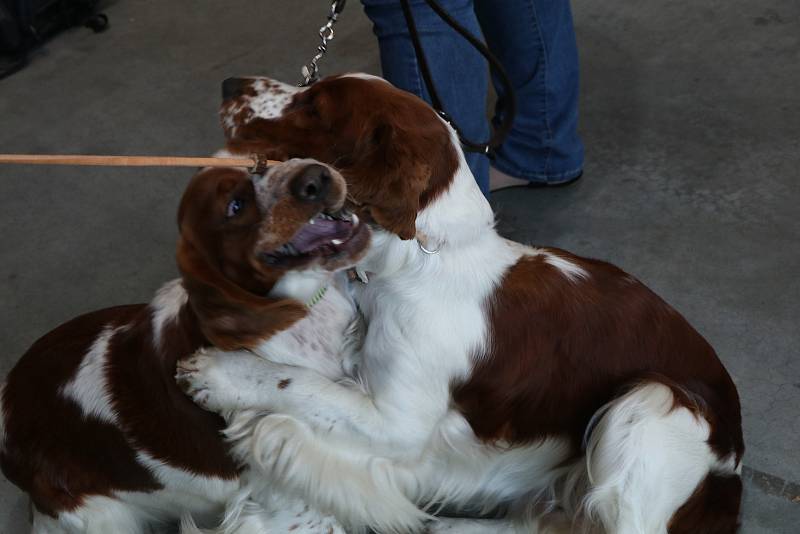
691,117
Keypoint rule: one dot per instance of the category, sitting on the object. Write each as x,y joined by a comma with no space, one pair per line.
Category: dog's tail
649,466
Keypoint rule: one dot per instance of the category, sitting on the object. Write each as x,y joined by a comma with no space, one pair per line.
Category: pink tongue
315,235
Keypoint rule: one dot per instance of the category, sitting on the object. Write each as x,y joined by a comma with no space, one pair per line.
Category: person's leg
535,42
459,72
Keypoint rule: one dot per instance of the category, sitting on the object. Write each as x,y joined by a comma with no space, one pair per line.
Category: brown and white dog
94,427
497,375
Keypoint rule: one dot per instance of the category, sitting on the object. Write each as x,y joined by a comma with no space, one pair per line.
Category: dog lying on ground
94,427
497,375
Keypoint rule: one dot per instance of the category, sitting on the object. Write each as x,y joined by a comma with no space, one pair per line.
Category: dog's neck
457,224
178,330
304,286
460,215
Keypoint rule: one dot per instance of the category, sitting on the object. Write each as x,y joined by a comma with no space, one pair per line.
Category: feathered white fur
376,451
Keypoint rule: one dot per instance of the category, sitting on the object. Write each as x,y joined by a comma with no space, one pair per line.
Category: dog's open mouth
324,236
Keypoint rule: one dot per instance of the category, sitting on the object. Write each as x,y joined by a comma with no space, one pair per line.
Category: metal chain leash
310,71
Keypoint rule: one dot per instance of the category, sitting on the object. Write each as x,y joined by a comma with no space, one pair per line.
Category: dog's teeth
291,249
355,220
337,241
362,275
311,221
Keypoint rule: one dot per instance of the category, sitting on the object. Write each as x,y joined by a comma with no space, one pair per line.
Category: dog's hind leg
647,458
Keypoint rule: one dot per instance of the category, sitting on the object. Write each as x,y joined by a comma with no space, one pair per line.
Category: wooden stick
133,161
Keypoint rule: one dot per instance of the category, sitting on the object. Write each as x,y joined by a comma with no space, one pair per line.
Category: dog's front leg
226,381
342,448
223,382
396,422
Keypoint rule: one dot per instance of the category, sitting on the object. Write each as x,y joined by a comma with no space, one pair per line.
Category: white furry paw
202,376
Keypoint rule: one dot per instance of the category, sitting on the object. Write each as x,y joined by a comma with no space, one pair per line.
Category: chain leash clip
310,71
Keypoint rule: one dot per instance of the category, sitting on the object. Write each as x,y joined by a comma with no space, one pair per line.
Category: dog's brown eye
235,207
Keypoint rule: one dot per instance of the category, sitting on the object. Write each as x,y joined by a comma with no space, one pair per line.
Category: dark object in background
25,24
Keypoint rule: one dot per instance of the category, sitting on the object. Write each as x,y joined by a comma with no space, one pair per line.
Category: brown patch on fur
60,457
52,451
712,509
284,220
283,384
175,430
561,349
394,152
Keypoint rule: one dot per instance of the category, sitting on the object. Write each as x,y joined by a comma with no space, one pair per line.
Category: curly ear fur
231,317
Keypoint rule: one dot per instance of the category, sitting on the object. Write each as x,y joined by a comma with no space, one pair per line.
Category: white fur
476,526
372,450
205,498
131,511
89,388
97,515
570,270
183,490
166,305
269,103
316,342
276,514
644,459
391,446
300,285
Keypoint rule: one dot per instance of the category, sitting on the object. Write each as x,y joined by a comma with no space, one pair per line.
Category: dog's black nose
312,184
233,87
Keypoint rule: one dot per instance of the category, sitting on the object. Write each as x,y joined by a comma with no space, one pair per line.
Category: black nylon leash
310,72
509,105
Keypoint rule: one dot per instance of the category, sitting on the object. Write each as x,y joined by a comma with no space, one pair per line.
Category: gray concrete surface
691,117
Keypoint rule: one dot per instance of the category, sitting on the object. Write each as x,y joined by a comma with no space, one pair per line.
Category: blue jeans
534,40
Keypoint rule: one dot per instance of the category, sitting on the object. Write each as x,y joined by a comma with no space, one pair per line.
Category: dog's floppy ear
390,180
231,317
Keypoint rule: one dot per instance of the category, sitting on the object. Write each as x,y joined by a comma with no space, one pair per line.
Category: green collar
317,297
